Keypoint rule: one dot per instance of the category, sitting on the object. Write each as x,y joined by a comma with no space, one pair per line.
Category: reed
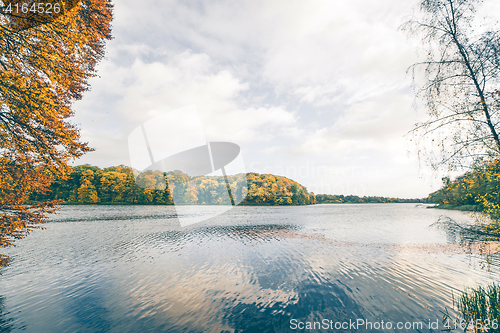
479,308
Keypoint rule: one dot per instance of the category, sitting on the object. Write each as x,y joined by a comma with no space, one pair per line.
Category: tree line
328,198
478,189
118,185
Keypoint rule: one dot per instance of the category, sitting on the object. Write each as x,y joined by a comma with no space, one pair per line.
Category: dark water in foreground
253,269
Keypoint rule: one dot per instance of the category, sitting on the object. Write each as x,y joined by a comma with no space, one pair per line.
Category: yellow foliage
43,70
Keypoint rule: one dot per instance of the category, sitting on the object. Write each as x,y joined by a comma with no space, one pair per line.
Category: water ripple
253,269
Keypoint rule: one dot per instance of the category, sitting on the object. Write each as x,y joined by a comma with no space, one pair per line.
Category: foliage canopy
117,185
43,70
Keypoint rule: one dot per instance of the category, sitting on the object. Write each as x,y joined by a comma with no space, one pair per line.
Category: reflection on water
5,321
253,269
475,238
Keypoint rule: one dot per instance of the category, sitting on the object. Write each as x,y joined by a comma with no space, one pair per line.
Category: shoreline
463,208
241,204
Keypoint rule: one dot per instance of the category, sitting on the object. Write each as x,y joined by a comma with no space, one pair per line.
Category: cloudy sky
316,91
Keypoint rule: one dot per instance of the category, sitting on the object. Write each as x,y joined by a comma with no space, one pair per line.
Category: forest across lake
118,185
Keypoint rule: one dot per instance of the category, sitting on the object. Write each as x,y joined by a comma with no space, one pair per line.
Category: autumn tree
87,192
460,82
44,68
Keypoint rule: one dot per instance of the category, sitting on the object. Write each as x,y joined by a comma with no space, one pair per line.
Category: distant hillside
117,185
327,198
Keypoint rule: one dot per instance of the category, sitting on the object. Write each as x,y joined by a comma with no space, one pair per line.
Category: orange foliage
25,14
43,70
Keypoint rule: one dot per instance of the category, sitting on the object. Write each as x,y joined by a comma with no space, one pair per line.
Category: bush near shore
477,190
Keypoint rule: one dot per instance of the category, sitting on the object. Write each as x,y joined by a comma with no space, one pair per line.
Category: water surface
252,269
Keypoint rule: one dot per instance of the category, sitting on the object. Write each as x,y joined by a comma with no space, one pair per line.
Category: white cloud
377,123
291,81
128,96
249,125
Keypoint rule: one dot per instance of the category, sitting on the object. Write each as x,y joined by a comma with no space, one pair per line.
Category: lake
251,269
